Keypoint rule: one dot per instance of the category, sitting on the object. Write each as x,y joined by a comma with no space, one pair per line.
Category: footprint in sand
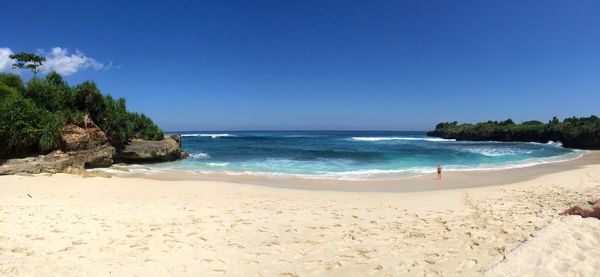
311,263
219,271
333,265
78,242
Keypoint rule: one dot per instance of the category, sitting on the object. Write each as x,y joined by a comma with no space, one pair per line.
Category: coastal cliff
580,133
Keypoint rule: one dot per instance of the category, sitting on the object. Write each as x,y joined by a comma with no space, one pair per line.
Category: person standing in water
439,171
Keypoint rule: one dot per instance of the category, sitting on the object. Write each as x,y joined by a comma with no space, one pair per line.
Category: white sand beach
569,246
66,225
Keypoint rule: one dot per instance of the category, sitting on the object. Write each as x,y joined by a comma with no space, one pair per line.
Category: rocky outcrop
143,151
87,136
86,146
61,162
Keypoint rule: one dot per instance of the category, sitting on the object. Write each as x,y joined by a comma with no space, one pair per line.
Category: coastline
451,180
67,225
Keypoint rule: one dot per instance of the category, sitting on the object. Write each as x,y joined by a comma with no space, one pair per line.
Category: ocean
351,155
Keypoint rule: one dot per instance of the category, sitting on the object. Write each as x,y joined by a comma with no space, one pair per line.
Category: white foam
496,152
356,175
199,156
217,164
392,174
399,138
553,143
206,135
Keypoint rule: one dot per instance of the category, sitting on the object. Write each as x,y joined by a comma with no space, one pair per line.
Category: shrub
13,81
142,127
6,91
51,93
88,99
114,120
51,126
27,129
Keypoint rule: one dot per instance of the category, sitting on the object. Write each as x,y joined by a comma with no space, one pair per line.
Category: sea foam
199,156
206,135
399,138
496,152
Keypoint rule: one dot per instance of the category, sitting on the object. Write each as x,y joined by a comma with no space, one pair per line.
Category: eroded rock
87,136
60,162
143,151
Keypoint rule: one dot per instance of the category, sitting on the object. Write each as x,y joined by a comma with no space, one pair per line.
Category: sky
321,65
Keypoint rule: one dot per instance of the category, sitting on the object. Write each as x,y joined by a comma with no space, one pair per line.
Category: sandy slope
129,226
569,246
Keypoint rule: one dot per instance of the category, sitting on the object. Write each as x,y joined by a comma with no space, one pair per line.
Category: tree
29,61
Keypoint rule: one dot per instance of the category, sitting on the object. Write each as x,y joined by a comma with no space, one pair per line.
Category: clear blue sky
371,65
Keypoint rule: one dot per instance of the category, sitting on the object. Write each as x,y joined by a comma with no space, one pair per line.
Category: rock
96,173
25,174
84,137
177,138
184,155
120,167
101,156
143,151
60,162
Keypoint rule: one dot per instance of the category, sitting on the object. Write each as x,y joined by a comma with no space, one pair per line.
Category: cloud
5,61
58,59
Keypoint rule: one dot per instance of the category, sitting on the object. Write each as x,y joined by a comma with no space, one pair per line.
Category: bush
13,81
51,93
143,127
114,121
6,91
88,99
51,127
27,129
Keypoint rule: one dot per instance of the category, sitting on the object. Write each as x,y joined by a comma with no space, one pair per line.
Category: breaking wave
399,138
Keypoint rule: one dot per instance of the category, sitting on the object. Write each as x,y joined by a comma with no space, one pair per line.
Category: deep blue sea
351,154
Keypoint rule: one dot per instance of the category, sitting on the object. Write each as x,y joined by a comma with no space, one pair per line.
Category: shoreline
450,180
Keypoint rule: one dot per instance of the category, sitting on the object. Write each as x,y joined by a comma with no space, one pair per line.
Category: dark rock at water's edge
143,151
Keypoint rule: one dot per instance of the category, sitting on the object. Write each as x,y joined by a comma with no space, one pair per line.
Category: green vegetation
29,61
573,132
33,114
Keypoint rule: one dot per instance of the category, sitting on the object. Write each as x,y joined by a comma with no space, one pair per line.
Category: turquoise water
351,155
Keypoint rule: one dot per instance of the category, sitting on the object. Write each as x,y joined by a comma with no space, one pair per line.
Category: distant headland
581,133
